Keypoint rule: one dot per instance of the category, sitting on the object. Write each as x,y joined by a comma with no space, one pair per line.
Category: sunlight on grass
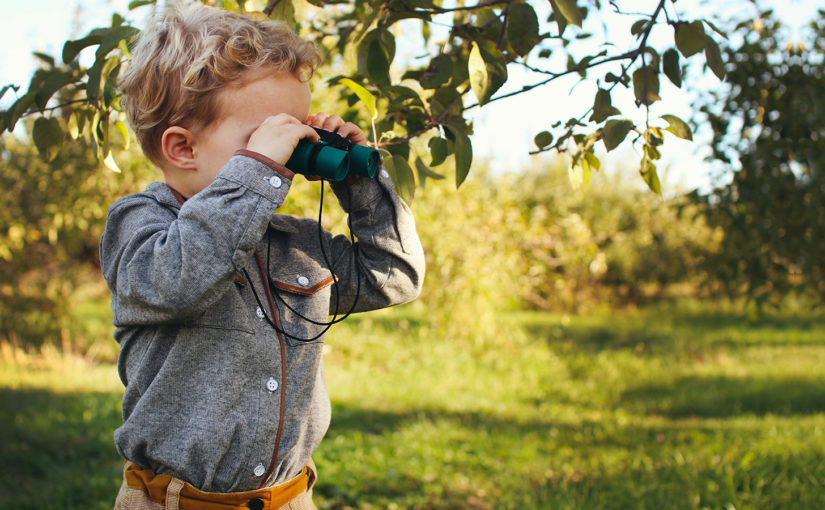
653,409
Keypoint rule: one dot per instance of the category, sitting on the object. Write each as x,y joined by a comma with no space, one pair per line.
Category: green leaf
46,59
8,87
690,38
715,29
463,154
444,98
543,139
602,107
561,21
363,94
653,62
438,73
134,4
110,163
438,150
93,80
579,173
48,137
678,127
72,48
650,176
124,132
51,85
670,64
377,64
285,11
112,38
405,96
487,70
375,53
522,28
425,173
402,175
416,120
400,149
74,124
652,152
479,77
592,160
714,58
569,10
639,26
18,109
614,133
646,85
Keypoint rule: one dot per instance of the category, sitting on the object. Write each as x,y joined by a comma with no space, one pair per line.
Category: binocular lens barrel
334,158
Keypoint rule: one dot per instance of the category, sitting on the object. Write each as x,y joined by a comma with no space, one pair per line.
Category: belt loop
312,473
173,494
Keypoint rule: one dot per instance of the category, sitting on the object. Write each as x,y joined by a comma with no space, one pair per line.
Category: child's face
241,109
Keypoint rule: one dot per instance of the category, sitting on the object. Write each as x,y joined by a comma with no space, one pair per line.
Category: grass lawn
665,408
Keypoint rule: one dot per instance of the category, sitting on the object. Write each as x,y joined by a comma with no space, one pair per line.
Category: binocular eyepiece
333,157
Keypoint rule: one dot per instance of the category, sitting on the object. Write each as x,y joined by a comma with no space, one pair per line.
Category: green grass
674,407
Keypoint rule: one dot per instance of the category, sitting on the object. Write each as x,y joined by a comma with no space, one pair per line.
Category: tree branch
443,10
433,123
270,7
630,55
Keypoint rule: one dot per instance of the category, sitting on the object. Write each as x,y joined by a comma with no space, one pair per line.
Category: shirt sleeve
385,267
163,265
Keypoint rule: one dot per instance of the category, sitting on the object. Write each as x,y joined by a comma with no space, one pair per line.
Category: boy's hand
277,137
337,125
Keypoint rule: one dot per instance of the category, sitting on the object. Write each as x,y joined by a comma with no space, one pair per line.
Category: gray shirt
206,374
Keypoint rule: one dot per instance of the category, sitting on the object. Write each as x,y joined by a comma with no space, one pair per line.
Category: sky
504,130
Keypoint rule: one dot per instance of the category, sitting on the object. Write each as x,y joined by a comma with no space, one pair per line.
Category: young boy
221,304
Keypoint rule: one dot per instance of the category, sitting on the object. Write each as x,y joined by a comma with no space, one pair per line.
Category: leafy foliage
767,126
468,49
613,245
50,226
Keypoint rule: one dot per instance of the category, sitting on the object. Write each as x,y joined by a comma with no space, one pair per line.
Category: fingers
336,124
277,137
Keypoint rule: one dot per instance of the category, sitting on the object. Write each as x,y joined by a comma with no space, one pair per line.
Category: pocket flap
305,284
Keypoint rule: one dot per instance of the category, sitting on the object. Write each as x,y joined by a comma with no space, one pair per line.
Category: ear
176,144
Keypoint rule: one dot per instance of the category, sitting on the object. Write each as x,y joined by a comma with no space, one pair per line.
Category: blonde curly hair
181,62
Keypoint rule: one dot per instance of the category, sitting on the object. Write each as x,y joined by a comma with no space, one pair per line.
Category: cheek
223,144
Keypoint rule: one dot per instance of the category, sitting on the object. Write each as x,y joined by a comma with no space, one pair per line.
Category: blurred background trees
769,142
50,225
508,240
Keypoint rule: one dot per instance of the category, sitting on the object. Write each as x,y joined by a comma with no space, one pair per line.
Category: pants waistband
163,488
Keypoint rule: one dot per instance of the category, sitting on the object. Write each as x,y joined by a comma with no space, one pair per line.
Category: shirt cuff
271,163
363,192
256,176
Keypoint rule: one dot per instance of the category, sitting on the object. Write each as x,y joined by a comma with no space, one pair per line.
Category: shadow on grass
674,331
57,450
722,397
596,338
365,462
743,479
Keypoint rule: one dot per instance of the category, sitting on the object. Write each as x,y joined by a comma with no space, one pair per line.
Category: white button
384,174
303,281
259,313
275,181
259,469
272,384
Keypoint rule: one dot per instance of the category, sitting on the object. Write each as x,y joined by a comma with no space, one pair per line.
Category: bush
50,226
611,245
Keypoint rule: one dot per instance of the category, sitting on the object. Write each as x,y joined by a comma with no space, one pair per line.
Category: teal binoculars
333,157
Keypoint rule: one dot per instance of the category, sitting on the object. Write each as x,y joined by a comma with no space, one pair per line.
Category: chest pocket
303,300
301,282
